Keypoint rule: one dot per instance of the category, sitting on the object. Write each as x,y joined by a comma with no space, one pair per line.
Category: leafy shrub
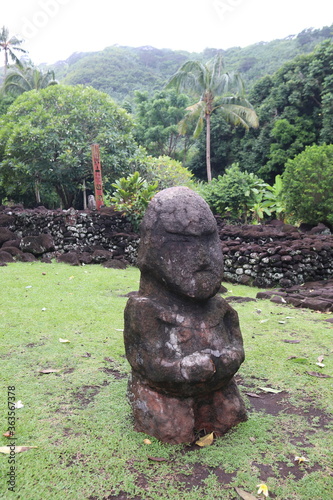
307,185
131,197
166,172
234,193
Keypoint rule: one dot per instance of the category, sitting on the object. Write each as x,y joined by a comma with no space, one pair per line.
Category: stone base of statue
175,420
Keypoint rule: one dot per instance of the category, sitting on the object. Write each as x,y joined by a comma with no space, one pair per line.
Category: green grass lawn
80,421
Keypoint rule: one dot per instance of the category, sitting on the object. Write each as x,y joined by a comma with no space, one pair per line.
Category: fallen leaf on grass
300,460
282,322
18,449
8,434
158,459
320,359
71,277
291,341
252,439
147,441
321,365
244,495
270,389
64,341
206,440
319,375
264,321
19,405
45,372
262,489
253,395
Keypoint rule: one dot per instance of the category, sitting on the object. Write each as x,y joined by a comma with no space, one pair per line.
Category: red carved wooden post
96,160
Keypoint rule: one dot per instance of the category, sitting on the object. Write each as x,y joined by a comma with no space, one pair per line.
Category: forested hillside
119,71
295,109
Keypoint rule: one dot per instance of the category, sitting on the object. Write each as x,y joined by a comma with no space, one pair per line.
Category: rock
182,340
6,220
12,243
14,251
5,257
5,235
27,257
69,258
37,245
101,256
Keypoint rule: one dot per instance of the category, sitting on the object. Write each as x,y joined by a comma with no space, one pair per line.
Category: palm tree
214,86
9,44
27,77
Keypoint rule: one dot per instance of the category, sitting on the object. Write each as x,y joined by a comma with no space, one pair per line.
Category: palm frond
191,75
240,115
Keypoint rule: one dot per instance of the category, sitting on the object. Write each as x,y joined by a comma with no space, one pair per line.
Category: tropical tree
157,119
21,79
9,45
46,137
217,90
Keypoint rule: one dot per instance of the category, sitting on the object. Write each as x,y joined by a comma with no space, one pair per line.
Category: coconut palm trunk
208,163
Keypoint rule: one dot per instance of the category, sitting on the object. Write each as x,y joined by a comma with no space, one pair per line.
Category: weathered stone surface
63,231
5,257
182,340
5,235
316,295
69,258
11,243
27,257
37,245
279,254
14,251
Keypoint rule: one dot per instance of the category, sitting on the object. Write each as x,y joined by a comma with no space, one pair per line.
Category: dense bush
307,185
233,193
131,197
167,172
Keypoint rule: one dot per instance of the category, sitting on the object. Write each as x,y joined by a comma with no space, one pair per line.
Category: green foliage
120,71
217,90
46,137
167,172
23,78
274,198
294,106
9,45
307,185
131,197
239,194
233,193
156,122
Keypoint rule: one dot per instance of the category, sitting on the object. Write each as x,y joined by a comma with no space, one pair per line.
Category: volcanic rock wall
274,255
68,235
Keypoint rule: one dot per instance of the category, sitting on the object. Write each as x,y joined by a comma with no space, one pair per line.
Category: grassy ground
80,422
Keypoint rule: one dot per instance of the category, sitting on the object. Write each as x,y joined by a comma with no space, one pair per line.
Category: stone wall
68,235
274,255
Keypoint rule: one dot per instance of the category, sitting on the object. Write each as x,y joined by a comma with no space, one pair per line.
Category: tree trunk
208,165
84,189
37,192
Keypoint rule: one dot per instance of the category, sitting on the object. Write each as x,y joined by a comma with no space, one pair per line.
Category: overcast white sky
54,29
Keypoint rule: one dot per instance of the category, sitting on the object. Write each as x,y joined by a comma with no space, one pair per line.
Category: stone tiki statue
182,340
